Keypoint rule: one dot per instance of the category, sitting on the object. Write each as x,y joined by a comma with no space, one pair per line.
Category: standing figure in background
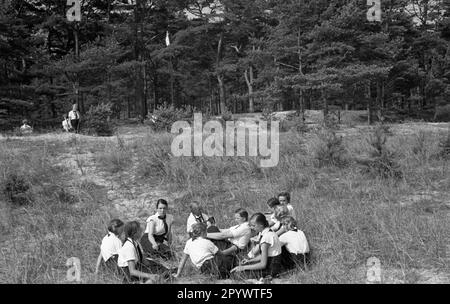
74,117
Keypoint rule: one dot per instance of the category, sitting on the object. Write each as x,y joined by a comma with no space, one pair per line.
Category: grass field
58,191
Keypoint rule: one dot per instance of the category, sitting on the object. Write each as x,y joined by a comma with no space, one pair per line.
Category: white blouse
158,224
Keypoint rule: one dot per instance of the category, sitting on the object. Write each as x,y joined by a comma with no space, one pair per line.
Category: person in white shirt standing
238,236
196,216
109,249
74,117
295,247
265,259
205,256
157,238
285,199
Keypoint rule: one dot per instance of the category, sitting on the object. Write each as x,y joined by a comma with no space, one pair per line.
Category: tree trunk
302,105
220,78
109,10
172,97
369,104
325,104
128,107
436,103
379,101
221,106
249,82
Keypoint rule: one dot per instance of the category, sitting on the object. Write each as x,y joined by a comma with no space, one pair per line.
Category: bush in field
97,120
328,148
16,189
164,116
382,161
444,144
227,116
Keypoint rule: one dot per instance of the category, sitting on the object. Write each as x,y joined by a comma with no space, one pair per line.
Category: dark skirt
290,260
110,266
163,251
219,266
151,267
75,124
273,269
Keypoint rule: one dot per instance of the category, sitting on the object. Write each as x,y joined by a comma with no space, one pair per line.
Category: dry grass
347,215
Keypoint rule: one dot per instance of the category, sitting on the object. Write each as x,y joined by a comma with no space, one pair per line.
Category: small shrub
227,116
420,147
98,120
382,161
328,148
115,158
331,122
16,189
443,114
444,145
164,116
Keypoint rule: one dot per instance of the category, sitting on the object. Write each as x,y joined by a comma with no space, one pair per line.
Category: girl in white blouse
157,238
237,236
295,247
109,249
205,255
267,254
196,216
135,267
285,199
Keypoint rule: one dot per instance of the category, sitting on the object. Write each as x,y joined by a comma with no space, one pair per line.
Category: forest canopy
223,56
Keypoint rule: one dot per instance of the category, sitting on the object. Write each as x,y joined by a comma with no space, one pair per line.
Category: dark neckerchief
166,227
199,218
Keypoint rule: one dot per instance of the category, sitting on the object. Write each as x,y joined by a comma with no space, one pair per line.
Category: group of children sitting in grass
260,247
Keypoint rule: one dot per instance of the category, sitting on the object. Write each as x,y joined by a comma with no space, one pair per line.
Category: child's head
258,222
272,203
211,221
115,226
284,198
161,207
240,215
289,223
281,211
132,230
195,208
65,116
24,122
198,230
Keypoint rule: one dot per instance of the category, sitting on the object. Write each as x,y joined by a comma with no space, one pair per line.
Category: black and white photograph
244,143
